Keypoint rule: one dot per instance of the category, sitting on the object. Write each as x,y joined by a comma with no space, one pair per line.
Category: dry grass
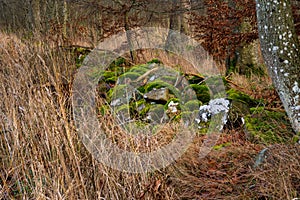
42,156
258,88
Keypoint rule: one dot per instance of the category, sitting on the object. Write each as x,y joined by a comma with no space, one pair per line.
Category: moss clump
140,108
120,62
128,77
119,91
195,79
140,69
123,112
240,96
268,126
192,105
175,100
202,92
111,80
168,79
103,110
156,113
108,74
155,60
220,146
161,84
188,94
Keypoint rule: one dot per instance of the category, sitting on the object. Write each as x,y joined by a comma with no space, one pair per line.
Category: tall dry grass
42,156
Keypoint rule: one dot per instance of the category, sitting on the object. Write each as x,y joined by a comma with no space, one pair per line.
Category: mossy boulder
127,77
192,105
141,107
119,95
202,92
157,114
175,100
268,127
169,79
233,94
140,69
161,84
188,94
123,113
195,79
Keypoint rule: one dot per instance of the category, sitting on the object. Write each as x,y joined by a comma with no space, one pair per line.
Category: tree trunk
280,49
65,20
175,25
36,14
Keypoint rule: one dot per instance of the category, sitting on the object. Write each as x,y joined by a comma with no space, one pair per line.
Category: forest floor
44,157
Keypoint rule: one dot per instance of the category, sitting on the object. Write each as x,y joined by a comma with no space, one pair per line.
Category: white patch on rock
173,107
215,106
243,121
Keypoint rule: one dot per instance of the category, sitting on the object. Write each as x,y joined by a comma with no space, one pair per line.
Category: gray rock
161,94
260,157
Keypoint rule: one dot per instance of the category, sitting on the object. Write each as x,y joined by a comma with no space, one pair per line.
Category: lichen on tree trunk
280,49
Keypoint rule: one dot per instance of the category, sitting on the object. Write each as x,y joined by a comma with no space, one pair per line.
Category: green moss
120,61
237,111
123,108
156,113
103,110
128,76
268,126
141,89
195,79
192,105
108,74
155,60
111,80
141,107
168,79
175,100
140,69
202,92
240,96
220,146
161,84
117,92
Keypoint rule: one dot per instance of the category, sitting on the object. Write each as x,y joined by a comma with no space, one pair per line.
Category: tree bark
280,49
65,20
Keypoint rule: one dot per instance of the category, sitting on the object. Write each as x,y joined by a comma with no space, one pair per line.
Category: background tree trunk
280,49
